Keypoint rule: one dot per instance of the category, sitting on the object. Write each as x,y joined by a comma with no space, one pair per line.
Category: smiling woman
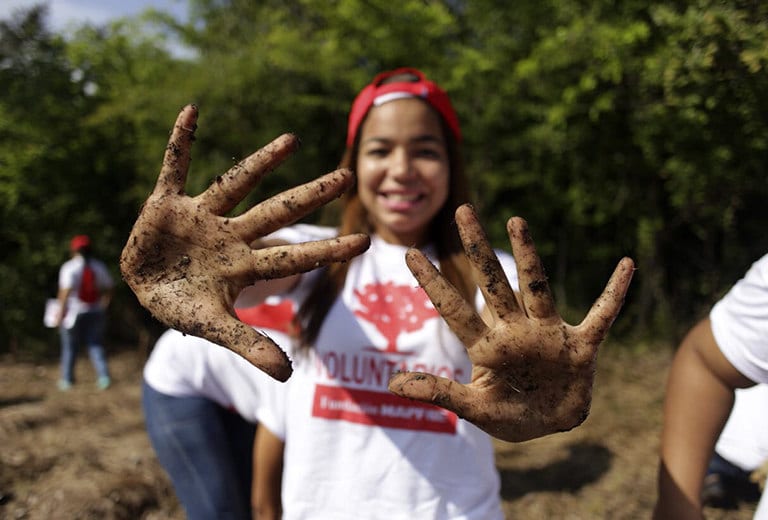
403,170
412,345
333,434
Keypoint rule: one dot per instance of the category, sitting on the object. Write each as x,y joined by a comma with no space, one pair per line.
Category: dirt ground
84,454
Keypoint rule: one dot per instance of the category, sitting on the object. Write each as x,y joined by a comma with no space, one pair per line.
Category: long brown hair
354,219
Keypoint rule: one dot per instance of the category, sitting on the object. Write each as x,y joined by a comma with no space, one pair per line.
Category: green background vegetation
616,128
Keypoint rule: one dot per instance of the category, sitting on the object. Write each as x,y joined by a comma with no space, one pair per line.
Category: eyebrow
425,138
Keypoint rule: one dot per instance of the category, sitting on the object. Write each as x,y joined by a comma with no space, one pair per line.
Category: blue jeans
88,330
206,450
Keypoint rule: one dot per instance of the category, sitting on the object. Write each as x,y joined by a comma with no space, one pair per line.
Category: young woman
350,448
339,440
345,445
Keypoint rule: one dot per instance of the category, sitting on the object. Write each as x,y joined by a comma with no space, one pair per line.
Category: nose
401,166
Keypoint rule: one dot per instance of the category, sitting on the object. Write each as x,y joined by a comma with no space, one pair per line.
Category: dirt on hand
186,260
84,454
532,373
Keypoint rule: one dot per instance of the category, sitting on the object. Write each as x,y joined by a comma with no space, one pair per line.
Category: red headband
78,242
376,94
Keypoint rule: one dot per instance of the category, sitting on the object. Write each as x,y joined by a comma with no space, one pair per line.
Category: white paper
52,309
51,312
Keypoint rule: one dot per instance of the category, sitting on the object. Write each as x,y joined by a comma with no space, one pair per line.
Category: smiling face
403,169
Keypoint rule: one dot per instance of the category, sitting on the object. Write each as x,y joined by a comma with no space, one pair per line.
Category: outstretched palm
186,261
532,372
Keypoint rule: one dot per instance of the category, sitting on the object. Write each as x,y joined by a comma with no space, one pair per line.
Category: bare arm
187,261
698,401
532,372
267,475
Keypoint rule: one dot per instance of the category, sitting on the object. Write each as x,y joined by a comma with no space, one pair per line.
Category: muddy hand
532,372
186,261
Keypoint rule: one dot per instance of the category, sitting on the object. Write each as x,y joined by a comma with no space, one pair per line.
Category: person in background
724,352
199,402
84,294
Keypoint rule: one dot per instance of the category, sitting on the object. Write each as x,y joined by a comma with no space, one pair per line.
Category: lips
400,201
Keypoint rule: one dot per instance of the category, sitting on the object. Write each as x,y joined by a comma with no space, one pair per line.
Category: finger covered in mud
458,314
228,332
285,260
227,190
173,174
495,418
287,207
431,389
534,285
606,308
493,283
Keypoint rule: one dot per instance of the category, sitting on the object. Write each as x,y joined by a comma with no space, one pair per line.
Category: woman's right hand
187,261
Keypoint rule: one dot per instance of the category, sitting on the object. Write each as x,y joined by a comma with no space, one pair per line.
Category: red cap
376,94
78,242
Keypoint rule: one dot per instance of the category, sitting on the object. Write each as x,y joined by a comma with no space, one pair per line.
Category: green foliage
615,128
39,111
67,161
633,129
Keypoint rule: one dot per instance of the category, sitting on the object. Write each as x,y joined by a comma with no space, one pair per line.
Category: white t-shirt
352,449
70,276
740,323
744,439
181,365
740,327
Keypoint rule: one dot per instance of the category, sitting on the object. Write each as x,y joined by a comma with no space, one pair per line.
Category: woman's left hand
532,372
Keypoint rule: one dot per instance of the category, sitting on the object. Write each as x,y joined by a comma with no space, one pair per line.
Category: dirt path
84,454
77,454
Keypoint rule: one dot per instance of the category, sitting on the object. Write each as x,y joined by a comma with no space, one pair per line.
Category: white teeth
402,197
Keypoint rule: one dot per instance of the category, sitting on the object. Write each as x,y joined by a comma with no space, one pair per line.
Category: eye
378,151
429,153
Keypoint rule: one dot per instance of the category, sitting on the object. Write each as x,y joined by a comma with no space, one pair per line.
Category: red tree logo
393,309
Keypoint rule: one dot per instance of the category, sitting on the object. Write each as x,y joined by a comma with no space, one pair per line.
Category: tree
38,105
68,159
615,128
629,129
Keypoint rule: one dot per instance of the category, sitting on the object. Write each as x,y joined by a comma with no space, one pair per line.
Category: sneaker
64,385
103,382
715,492
727,491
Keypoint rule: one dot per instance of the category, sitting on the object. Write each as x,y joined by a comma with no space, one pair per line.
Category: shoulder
173,338
175,351
759,271
299,233
739,322
72,263
71,267
97,263
504,256
102,272
509,266
749,291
